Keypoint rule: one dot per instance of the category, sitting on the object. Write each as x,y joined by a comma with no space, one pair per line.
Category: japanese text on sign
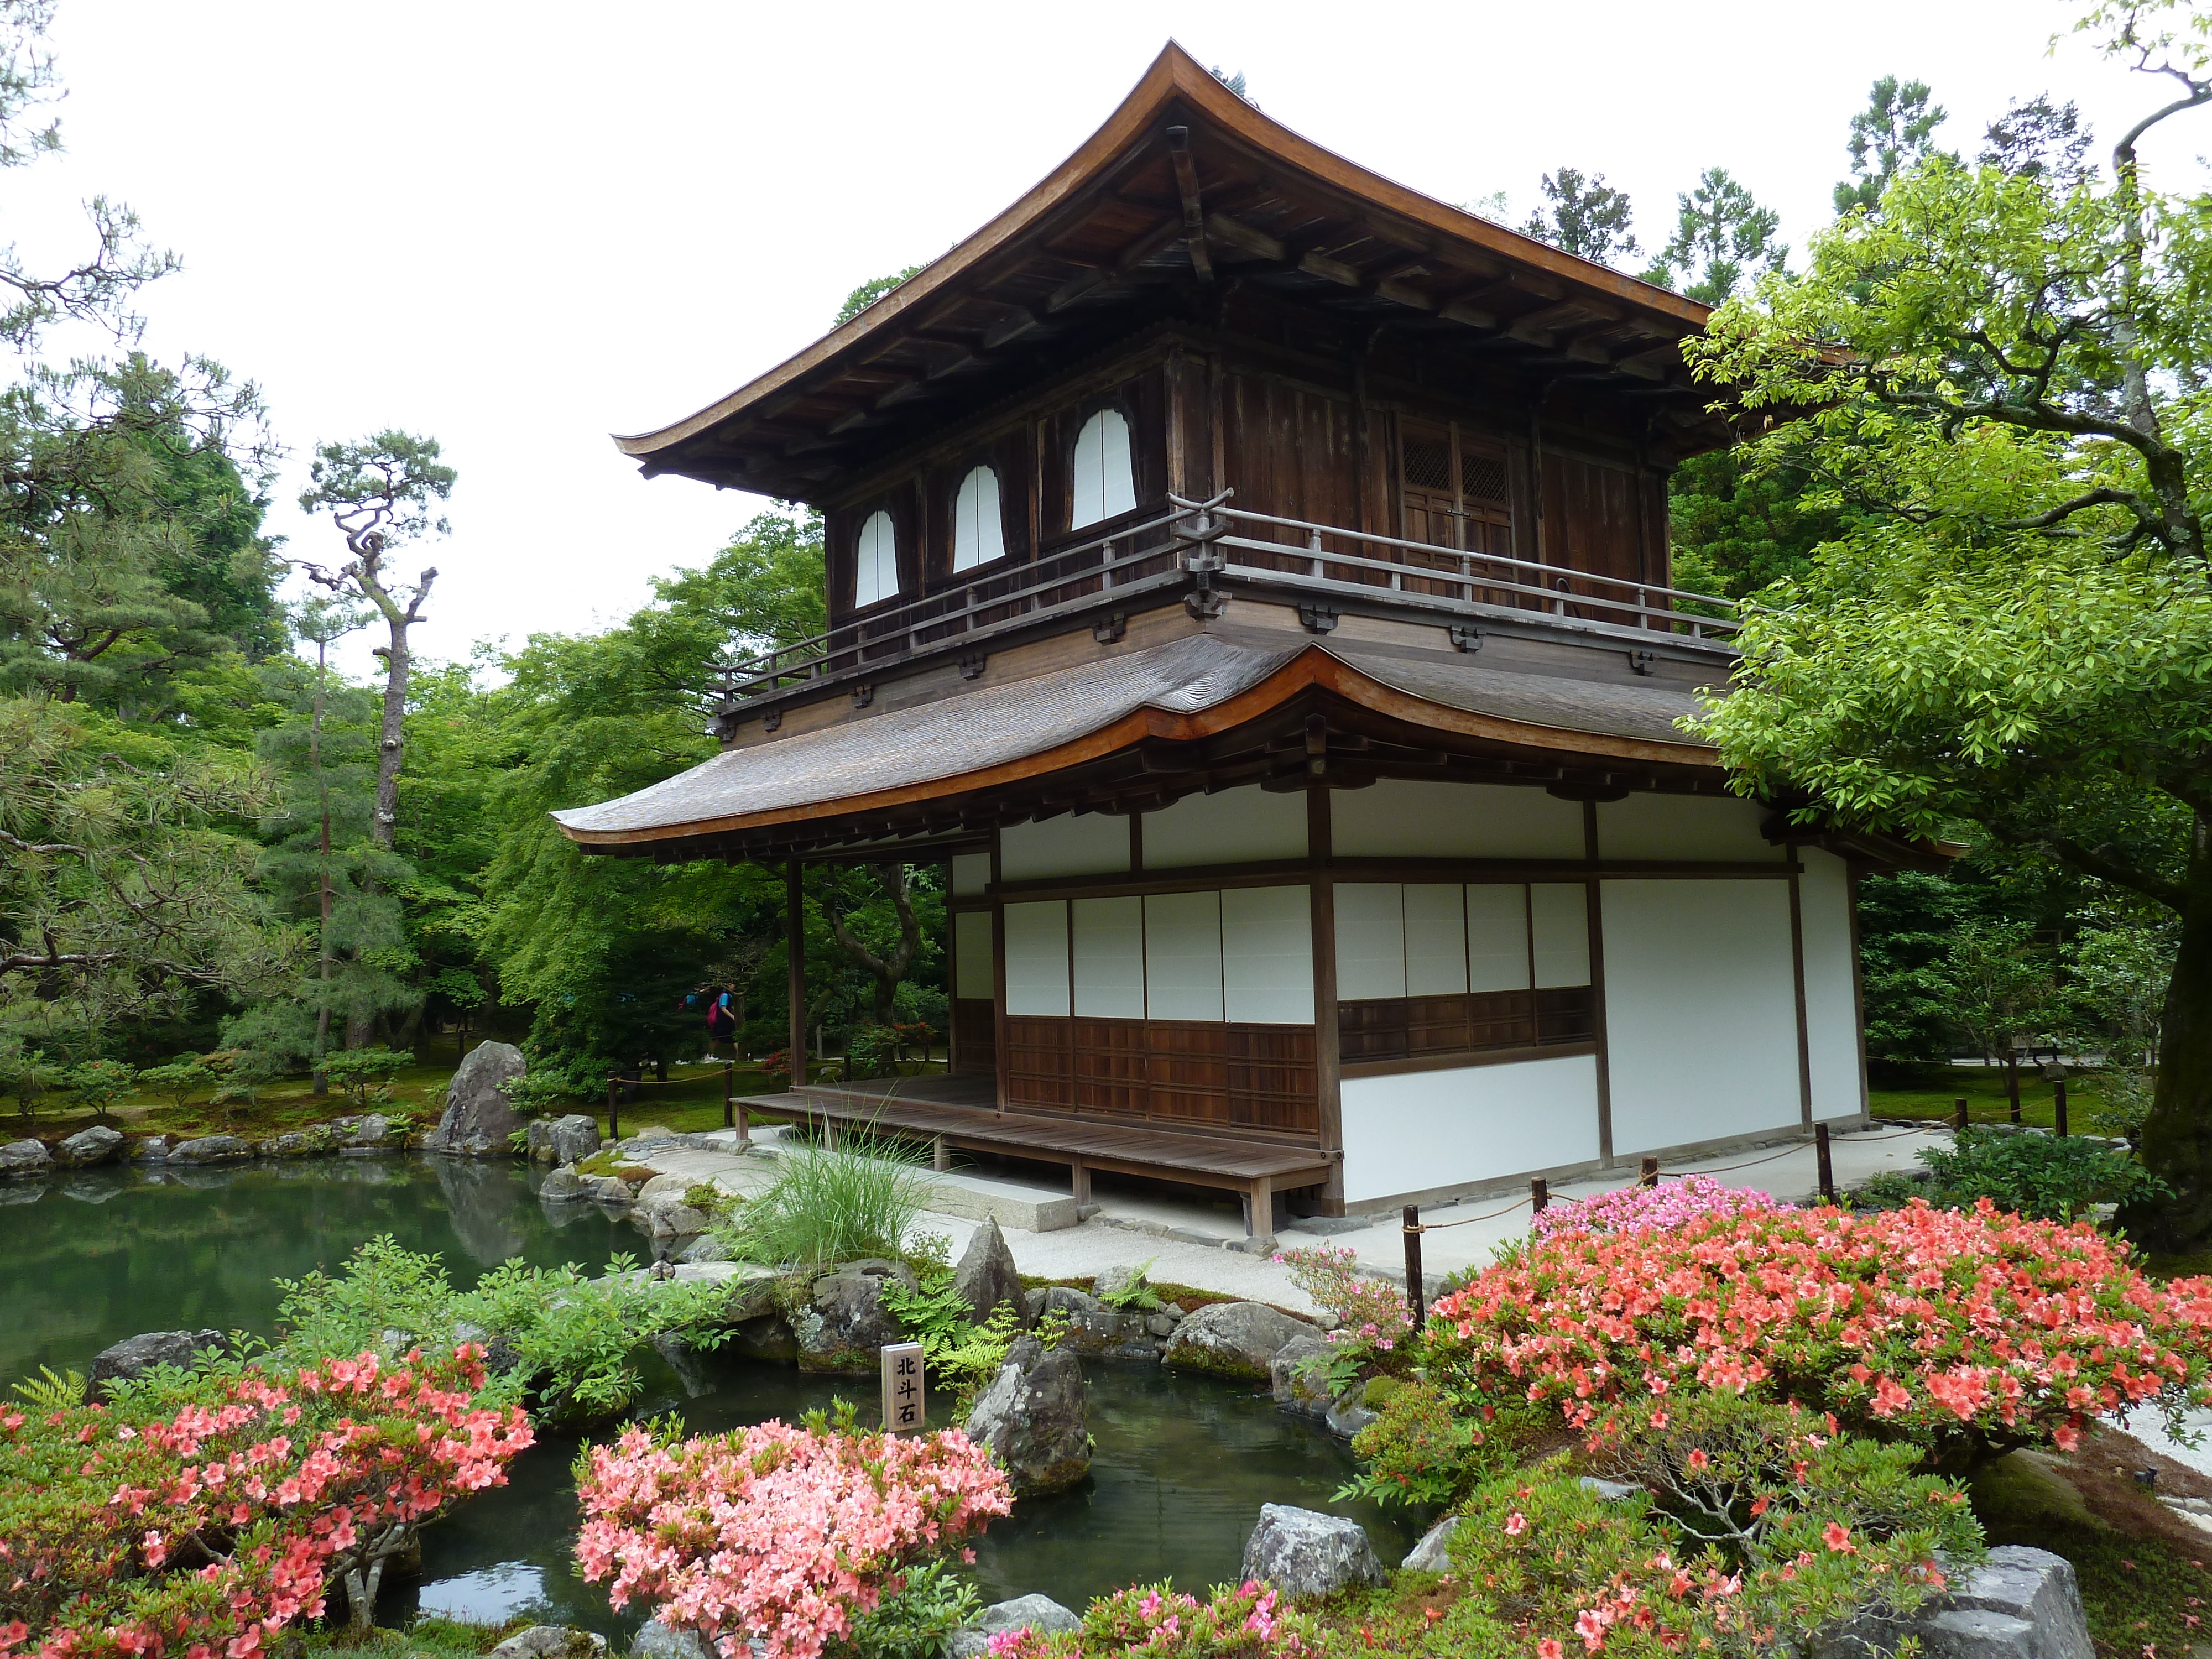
904,1406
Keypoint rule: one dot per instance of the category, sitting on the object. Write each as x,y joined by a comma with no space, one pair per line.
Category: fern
1137,1294
48,1393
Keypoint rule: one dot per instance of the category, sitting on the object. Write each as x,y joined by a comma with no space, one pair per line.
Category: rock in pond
1097,1330
1303,1553
211,1149
611,1190
563,1185
705,1248
986,1275
319,1141
1233,1338
846,1322
1432,1554
135,1356
154,1149
1038,1613
1298,1373
478,1119
668,1216
1032,1418
370,1132
551,1642
24,1158
569,1139
87,1147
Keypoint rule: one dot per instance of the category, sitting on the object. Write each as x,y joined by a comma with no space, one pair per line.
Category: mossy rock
1376,1394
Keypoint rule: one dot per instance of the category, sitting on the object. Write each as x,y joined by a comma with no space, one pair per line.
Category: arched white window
1104,485
875,561
979,535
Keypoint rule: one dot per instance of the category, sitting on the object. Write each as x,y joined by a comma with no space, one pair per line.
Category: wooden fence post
1958,1113
1827,1169
1415,1292
1540,1194
1646,1174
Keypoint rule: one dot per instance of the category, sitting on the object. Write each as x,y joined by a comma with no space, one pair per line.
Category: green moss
424,1639
1376,1394
610,1163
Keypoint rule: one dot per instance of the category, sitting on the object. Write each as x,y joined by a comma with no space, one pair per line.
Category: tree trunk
2177,1138
393,743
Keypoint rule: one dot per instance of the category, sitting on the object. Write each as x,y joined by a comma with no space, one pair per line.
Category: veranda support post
794,934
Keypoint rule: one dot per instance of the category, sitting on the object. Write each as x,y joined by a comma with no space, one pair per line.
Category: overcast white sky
520,228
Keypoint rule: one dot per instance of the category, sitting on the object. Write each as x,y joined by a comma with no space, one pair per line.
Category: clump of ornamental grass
859,1198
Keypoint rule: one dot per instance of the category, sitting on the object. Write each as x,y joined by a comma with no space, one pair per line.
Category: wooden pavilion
1251,577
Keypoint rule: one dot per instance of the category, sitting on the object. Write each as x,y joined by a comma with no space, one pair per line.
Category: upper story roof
1186,191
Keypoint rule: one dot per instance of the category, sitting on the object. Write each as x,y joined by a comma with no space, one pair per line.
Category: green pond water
1182,1467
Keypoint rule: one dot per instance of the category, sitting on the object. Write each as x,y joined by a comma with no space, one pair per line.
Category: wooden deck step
1255,1170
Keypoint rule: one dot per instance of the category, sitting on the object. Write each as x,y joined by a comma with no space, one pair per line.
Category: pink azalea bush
1666,1204
773,1533
1963,1331
1372,1319
203,1531
1155,1621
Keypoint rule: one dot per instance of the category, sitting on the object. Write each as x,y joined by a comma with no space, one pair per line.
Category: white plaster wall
972,974
1399,819
1832,1023
1559,926
1036,958
1700,1010
1498,937
1246,825
1267,955
1436,940
1701,828
1093,844
1370,940
1183,956
1109,945
971,873
1419,1130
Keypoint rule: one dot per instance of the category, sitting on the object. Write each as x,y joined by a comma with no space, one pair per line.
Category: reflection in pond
1182,1467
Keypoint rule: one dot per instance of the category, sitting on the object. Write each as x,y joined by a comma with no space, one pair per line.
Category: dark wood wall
1294,433
1180,1073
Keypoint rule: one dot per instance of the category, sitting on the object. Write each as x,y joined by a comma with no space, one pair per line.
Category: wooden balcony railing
1193,541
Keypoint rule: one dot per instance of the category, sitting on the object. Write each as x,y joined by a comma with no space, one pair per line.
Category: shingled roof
1184,183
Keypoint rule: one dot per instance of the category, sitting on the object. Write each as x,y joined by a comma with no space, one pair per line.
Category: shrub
1761,1534
859,1199
1373,1322
26,1072
178,1080
778,1534
1418,1451
2051,1177
872,1051
99,1083
1665,1204
919,1619
211,1524
1963,1331
366,1075
1160,1622
537,1092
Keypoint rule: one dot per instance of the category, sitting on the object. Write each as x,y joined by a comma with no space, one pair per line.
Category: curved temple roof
1183,180
1184,691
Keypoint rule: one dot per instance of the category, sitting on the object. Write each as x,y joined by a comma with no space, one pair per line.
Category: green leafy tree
1584,216
2035,135
873,290
99,1083
1895,130
1722,236
1999,373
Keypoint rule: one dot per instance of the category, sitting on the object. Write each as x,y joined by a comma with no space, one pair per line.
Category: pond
1182,1464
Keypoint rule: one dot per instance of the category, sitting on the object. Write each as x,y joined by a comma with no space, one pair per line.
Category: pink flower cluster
1667,1204
1155,1621
1922,1323
207,1531
1369,1311
776,1533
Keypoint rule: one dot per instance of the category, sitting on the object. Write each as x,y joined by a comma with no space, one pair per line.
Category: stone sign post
904,1406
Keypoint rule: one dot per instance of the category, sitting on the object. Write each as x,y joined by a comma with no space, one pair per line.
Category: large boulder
667,1216
1433,1553
986,1275
1298,1374
559,1140
478,1121
1033,1418
845,1322
211,1149
1303,1553
24,1158
562,1185
2020,1603
87,1147
1038,1613
371,1132
316,1142
1098,1331
610,1190
551,1642
704,1248
1238,1339
135,1356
